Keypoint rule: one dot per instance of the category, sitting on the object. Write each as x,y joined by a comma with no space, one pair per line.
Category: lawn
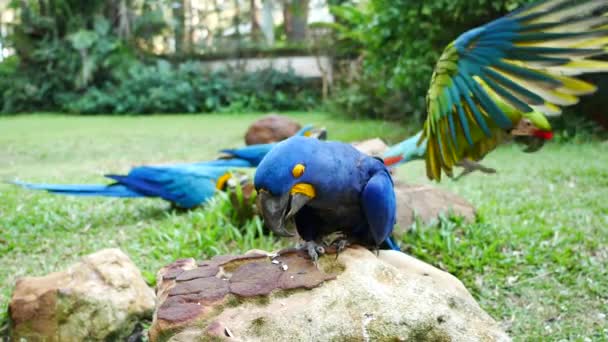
535,259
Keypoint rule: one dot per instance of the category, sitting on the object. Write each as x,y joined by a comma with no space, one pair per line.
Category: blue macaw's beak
279,211
320,133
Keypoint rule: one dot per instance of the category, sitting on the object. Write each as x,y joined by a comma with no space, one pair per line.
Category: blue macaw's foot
313,249
340,245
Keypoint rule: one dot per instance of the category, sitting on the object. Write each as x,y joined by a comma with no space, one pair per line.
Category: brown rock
224,279
271,128
427,203
101,297
389,297
373,147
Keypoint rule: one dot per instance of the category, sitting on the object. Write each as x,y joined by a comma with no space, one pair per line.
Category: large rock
100,298
271,128
357,297
373,147
427,203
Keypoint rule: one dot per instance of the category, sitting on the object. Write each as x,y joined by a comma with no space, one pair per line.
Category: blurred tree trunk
255,24
267,22
295,17
189,38
179,27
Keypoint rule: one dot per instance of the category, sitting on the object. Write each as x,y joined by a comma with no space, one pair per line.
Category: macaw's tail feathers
390,244
405,151
110,190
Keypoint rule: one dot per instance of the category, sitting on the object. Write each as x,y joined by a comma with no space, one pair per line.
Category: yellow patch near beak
304,189
221,182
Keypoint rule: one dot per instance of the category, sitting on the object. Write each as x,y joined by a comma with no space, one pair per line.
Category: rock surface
357,297
373,147
427,203
271,128
100,298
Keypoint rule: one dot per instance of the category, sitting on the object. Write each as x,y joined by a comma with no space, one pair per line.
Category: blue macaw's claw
326,187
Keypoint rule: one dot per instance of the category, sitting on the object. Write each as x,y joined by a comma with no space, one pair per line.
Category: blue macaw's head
295,172
312,132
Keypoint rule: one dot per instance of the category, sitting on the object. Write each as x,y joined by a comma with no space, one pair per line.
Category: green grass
535,259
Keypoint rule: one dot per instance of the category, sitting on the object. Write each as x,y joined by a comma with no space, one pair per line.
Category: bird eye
298,170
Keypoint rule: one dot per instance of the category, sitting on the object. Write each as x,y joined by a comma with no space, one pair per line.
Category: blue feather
253,154
111,190
464,90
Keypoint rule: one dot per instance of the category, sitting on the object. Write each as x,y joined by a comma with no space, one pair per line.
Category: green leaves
82,39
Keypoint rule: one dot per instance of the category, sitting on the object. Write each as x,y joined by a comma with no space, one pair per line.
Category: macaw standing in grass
497,81
185,185
491,82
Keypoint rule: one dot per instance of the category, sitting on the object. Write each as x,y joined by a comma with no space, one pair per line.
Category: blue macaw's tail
405,151
391,244
110,190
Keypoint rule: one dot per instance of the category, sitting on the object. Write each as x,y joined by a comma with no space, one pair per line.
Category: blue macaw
255,153
326,187
185,185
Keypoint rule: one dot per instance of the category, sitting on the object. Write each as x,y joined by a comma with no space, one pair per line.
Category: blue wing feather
379,206
109,190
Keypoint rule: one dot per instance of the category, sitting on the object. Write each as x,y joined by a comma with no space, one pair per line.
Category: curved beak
532,143
320,133
278,211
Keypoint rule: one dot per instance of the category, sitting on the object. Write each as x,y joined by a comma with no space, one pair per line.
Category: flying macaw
185,185
492,81
499,80
324,187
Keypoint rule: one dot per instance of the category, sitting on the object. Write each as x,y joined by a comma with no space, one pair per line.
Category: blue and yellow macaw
501,79
325,187
492,81
185,185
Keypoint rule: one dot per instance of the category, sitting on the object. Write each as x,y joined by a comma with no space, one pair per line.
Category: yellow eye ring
298,170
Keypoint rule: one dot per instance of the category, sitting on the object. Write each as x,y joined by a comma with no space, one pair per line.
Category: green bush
400,42
72,58
156,88
162,88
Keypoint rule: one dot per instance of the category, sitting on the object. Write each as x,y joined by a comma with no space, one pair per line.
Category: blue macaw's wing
109,190
525,60
187,186
253,154
379,206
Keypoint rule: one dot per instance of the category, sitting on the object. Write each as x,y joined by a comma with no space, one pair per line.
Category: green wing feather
520,65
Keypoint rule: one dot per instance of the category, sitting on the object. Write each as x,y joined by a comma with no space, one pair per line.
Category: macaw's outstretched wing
379,205
187,187
526,60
